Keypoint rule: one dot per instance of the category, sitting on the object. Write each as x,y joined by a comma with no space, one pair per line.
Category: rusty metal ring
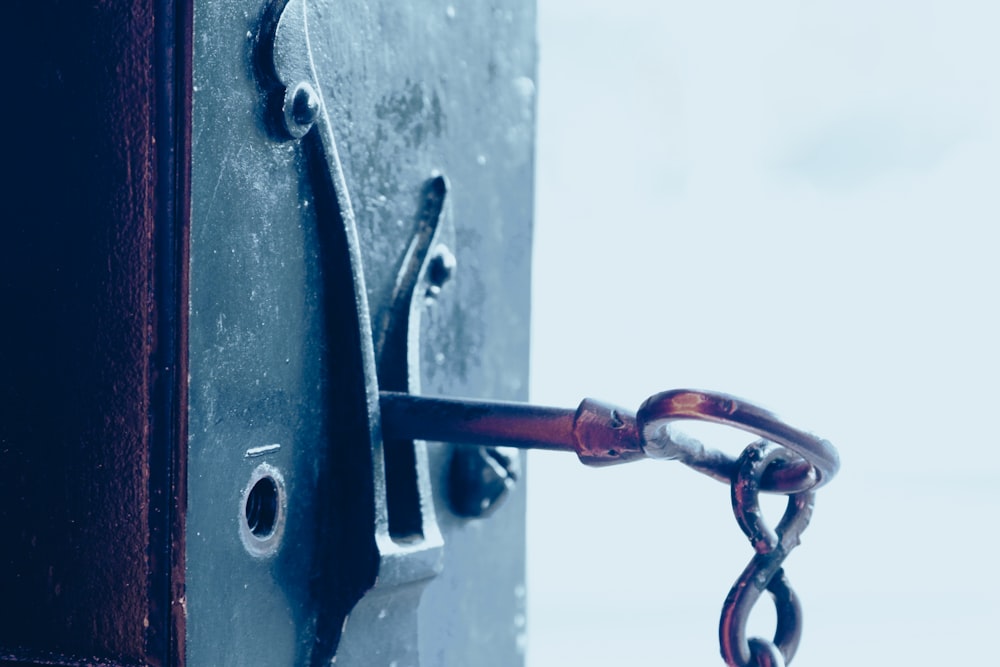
819,459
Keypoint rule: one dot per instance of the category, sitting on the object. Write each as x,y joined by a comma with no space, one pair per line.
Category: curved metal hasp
601,434
396,553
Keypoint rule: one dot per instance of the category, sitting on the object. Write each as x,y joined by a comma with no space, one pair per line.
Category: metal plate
412,89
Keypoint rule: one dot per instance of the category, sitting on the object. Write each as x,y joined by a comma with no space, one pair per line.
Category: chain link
764,572
787,461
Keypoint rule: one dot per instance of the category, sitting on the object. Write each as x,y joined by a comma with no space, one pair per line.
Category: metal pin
598,433
602,434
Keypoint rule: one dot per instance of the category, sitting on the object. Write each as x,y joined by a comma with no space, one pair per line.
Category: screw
305,105
440,269
301,109
481,479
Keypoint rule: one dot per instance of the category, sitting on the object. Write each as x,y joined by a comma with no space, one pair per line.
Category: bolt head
442,266
301,110
482,478
305,105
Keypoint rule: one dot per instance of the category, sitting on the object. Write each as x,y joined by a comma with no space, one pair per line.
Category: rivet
441,267
305,105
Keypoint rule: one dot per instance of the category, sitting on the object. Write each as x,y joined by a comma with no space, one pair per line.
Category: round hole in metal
263,507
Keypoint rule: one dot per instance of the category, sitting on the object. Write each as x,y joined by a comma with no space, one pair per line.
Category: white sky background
796,203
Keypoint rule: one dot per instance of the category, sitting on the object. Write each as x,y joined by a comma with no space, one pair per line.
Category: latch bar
598,433
601,434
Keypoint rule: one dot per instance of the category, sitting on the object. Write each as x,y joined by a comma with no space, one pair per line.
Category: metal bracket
404,531
403,539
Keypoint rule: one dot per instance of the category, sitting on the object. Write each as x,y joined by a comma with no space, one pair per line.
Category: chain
764,572
797,467
787,461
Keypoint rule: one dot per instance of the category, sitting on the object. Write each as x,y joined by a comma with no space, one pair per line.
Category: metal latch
787,460
405,544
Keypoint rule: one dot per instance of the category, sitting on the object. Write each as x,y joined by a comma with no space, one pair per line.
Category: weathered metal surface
411,90
392,485
91,332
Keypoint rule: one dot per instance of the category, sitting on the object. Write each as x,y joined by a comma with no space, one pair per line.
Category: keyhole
262,507
262,511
